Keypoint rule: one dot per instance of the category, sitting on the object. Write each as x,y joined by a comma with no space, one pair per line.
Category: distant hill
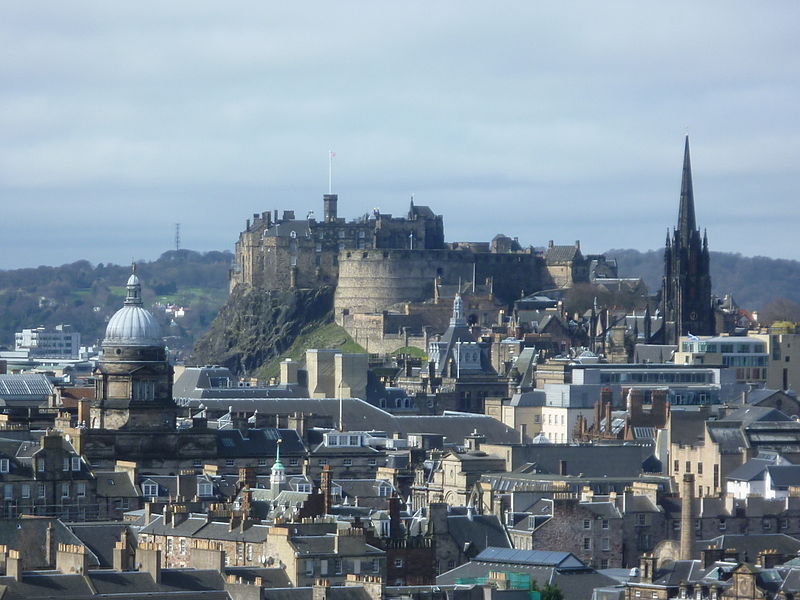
86,295
752,281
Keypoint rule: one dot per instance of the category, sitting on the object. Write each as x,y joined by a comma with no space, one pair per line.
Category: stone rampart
374,280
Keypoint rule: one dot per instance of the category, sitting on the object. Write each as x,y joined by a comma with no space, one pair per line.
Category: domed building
133,379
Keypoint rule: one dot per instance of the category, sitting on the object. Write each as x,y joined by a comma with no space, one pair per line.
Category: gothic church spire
686,220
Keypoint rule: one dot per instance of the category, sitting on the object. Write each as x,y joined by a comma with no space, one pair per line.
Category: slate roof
783,476
752,470
750,414
748,546
258,443
27,535
359,415
474,535
197,526
576,582
558,254
100,538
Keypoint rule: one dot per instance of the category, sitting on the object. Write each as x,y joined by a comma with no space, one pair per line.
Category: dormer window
204,488
76,463
150,490
4,465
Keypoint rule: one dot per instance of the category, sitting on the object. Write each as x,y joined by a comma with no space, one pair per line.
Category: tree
552,592
780,309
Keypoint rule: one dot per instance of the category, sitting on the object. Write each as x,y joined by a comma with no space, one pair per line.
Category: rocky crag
256,327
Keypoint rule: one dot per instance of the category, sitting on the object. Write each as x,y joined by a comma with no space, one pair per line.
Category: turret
329,202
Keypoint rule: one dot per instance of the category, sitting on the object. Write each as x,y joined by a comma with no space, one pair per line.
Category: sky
542,120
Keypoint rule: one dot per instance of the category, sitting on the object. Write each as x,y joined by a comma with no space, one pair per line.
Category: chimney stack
687,517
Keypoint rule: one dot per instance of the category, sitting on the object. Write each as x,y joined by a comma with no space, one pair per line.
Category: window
65,490
26,490
376,565
41,465
183,545
676,465
229,462
604,563
641,519
372,462
605,523
197,464
384,490
66,463
76,463
676,525
587,543
323,567
80,489
8,491
699,468
698,525
204,488
606,544
348,462
249,551
262,462
766,524
587,524
338,566
323,461
355,440
384,528
150,490
293,462
41,491
784,523
398,563
4,463
688,466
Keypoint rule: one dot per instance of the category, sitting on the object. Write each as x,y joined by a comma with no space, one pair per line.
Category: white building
59,342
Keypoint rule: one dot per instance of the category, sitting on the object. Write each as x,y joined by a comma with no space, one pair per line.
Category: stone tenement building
378,261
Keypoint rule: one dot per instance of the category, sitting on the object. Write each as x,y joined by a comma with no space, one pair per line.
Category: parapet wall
373,280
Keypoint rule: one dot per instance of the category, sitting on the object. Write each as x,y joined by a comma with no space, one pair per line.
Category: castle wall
373,280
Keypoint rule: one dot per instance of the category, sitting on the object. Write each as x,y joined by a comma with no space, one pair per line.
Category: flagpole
330,171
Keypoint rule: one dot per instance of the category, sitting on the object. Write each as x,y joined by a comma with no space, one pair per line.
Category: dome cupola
133,325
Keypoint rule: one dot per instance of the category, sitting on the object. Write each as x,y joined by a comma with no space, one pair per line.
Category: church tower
686,287
133,378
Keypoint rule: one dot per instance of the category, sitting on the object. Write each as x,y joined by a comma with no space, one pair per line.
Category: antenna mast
177,236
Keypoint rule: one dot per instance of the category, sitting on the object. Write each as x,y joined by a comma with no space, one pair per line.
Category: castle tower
686,286
133,379
329,202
